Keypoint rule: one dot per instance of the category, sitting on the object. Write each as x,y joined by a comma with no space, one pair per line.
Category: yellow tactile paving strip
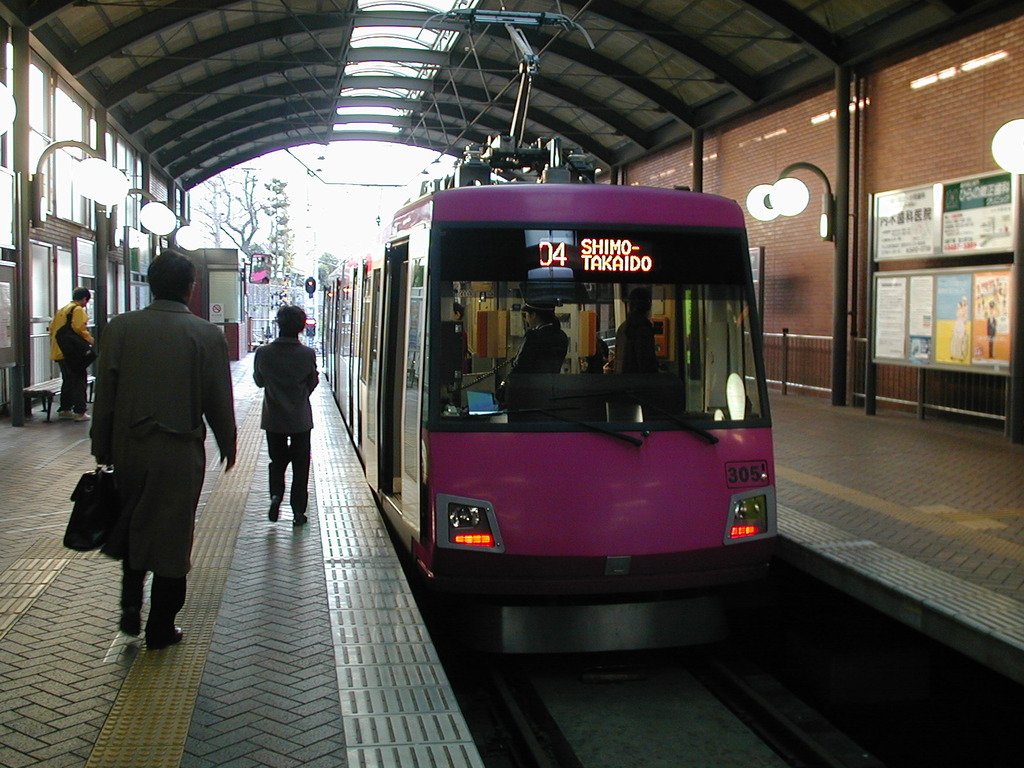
149,721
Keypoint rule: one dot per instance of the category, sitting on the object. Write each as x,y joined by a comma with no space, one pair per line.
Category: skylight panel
397,37
367,127
379,111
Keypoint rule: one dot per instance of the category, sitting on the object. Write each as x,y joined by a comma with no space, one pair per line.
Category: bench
45,391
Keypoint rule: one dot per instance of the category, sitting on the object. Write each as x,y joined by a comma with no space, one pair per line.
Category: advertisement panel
950,218
977,215
991,318
907,223
957,319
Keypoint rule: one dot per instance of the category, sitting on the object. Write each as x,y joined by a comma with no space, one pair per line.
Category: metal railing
803,362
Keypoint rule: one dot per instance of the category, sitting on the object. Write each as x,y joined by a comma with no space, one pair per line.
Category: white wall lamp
1008,146
789,197
161,220
8,109
155,215
189,238
94,178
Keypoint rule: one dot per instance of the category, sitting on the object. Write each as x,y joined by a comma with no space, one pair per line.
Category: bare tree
281,240
231,208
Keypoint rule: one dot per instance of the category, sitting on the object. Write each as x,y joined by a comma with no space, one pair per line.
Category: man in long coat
161,370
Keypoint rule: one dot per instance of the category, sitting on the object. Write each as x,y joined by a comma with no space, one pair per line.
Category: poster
8,221
991,318
890,316
953,319
977,215
921,318
906,224
6,316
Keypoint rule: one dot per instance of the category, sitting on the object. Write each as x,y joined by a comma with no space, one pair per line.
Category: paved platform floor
285,664
303,647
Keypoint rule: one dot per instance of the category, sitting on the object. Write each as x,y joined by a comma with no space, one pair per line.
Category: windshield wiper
585,424
681,423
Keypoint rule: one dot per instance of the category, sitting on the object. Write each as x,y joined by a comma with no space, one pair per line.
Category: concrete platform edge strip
397,705
985,626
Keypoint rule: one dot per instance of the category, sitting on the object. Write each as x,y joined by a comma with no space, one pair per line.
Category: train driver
545,344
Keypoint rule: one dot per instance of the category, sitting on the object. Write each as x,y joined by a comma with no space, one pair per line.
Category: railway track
661,709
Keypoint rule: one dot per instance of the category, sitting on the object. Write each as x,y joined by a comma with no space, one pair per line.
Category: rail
803,362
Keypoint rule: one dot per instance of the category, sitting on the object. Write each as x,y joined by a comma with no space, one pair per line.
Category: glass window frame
744,317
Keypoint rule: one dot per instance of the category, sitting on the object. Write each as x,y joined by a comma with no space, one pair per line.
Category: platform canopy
206,84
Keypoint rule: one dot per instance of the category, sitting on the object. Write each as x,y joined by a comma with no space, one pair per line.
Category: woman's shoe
300,520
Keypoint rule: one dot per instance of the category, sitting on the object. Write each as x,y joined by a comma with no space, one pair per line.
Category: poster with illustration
953,319
991,314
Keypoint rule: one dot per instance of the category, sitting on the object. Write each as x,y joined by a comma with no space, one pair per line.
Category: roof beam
684,45
780,14
213,47
215,84
673,105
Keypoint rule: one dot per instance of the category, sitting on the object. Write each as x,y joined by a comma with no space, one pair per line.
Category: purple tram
558,395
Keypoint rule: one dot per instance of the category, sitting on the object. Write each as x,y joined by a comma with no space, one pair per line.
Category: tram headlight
467,524
463,516
750,515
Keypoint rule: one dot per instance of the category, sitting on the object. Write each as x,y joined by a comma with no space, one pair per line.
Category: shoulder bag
76,350
97,507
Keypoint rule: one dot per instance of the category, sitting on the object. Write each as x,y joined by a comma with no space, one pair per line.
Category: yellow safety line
149,721
925,517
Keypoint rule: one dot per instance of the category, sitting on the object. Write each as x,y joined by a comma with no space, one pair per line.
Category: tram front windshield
568,326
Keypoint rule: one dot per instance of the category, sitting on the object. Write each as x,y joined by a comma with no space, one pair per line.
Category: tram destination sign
605,254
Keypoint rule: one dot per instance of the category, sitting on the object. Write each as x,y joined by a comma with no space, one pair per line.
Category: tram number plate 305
745,474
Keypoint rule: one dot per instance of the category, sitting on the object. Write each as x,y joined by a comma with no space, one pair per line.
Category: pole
102,305
1015,411
842,242
21,330
698,159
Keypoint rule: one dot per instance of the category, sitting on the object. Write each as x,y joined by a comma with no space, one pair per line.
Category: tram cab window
636,349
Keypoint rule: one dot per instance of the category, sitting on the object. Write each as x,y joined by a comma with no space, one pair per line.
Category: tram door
404,324
353,346
369,380
392,337
412,388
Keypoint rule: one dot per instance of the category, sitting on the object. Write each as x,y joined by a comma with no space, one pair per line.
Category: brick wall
905,136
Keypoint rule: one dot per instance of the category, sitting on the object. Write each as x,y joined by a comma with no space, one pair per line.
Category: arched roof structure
206,85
